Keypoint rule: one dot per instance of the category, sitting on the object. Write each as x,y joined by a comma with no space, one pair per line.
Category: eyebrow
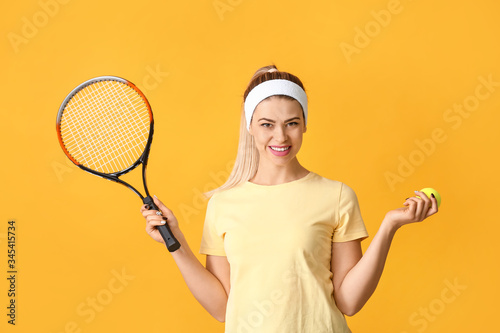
272,121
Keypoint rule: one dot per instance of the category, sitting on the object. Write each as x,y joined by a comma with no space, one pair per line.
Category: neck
274,175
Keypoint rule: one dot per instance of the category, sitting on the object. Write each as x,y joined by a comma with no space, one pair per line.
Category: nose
280,134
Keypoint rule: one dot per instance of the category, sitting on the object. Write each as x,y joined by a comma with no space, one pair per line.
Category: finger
144,208
150,212
156,222
424,197
416,206
427,204
411,208
152,216
166,212
434,202
434,206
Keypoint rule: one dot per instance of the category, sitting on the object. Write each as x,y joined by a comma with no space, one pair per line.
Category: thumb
166,212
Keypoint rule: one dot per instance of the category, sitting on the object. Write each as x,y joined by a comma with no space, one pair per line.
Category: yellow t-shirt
278,241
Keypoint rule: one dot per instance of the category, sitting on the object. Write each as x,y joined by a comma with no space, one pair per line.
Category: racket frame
170,241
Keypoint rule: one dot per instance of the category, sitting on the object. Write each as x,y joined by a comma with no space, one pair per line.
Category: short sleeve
350,224
212,241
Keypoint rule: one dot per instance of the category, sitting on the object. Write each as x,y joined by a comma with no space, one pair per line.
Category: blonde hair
247,158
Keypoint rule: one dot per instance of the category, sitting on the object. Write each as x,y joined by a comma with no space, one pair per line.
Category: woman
283,244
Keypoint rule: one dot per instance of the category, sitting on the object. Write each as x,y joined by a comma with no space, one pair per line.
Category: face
277,127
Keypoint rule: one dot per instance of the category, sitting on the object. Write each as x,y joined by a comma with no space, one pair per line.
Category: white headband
272,88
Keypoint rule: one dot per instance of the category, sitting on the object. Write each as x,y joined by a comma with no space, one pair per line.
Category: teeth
280,149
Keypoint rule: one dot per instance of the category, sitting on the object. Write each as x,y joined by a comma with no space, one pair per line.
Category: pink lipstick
280,150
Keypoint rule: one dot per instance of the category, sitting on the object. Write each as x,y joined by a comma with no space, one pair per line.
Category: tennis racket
105,127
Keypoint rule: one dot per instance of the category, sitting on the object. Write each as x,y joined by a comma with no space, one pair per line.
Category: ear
305,129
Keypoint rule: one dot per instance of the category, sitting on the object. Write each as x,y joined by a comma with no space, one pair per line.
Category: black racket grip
165,232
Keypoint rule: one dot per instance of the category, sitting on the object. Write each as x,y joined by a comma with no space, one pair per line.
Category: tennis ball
428,191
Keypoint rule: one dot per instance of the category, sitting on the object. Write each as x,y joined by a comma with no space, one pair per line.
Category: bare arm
210,285
355,277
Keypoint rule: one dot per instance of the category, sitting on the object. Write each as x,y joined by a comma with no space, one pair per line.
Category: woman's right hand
210,285
153,220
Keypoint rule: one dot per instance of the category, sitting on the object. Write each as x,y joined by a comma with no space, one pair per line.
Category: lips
280,150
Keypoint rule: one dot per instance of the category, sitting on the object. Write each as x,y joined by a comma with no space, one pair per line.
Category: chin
281,161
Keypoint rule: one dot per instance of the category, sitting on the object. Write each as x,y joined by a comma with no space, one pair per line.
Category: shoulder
225,196
344,191
327,182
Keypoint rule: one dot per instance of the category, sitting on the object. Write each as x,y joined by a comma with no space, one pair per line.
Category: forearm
361,281
204,286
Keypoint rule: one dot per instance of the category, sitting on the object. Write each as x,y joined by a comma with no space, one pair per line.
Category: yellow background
368,109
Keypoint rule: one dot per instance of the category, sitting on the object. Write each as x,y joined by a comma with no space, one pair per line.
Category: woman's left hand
416,210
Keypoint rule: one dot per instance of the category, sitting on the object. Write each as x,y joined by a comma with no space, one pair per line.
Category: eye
266,125
292,123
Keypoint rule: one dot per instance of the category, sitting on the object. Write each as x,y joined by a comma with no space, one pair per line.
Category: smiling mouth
280,148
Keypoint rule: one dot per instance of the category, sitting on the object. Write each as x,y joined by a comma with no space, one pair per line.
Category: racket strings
112,135
120,138
105,126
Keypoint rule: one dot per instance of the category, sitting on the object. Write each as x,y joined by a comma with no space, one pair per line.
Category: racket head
105,125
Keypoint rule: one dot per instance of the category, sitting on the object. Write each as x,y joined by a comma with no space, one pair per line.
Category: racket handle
170,241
